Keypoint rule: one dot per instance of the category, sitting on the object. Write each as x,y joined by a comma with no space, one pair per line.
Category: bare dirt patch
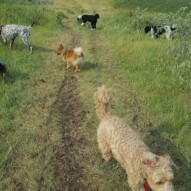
70,111
69,156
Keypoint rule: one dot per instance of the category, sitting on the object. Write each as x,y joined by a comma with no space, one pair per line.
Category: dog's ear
167,157
150,160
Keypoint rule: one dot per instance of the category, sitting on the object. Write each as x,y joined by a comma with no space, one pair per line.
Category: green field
150,80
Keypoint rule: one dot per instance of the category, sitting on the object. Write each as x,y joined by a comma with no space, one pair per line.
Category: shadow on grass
22,47
12,77
89,66
161,146
42,49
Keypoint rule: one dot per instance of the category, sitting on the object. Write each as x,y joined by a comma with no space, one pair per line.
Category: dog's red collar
146,185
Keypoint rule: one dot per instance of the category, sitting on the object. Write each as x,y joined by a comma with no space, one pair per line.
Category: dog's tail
33,23
79,51
102,98
173,27
29,27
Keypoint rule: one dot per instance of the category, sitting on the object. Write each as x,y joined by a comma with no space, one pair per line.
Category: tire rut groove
69,157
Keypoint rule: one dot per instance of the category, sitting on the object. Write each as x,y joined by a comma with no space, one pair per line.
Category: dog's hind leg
77,68
26,41
105,150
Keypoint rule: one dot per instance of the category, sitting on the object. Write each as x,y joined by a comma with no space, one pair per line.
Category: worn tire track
69,156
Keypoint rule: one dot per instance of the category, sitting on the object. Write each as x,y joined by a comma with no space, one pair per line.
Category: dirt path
69,161
69,170
72,156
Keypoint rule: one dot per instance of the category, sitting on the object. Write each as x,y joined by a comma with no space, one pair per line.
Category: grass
138,69
153,6
22,95
146,65
148,69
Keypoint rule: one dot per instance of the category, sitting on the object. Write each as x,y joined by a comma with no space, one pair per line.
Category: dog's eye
159,183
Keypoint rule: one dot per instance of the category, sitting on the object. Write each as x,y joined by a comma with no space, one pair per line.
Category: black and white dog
89,18
157,31
169,31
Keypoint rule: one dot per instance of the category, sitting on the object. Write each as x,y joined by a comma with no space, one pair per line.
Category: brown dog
73,57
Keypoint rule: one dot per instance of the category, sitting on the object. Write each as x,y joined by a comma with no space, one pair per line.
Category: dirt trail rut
69,170
69,162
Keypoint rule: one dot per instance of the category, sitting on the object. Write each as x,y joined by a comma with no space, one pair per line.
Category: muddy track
69,159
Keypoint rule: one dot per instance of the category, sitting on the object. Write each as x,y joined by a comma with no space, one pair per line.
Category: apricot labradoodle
117,138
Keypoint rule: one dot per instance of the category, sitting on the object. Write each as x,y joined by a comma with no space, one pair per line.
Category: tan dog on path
73,57
115,137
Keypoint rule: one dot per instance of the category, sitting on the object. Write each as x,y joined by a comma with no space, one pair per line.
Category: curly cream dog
116,137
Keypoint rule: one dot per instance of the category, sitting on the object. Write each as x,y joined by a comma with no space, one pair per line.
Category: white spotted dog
11,31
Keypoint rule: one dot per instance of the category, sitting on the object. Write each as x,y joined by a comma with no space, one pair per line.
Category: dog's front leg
4,40
77,68
11,43
135,184
67,65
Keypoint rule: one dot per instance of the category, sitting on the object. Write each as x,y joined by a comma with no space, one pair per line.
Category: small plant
138,19
60,17
183,72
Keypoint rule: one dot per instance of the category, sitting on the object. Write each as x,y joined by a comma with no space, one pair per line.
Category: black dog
2,69
89,18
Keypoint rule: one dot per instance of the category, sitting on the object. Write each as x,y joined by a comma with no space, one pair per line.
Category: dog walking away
157,31
115,137
2,69
73,57
89,18
11,31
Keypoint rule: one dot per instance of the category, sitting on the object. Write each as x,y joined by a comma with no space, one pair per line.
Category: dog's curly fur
73,57
116,137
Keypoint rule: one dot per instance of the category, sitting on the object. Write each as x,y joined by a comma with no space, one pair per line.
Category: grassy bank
144,86
26,94
153,6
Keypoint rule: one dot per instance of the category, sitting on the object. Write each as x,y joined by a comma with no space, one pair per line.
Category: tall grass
45,2
138,65
19,138
147,65
153,6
